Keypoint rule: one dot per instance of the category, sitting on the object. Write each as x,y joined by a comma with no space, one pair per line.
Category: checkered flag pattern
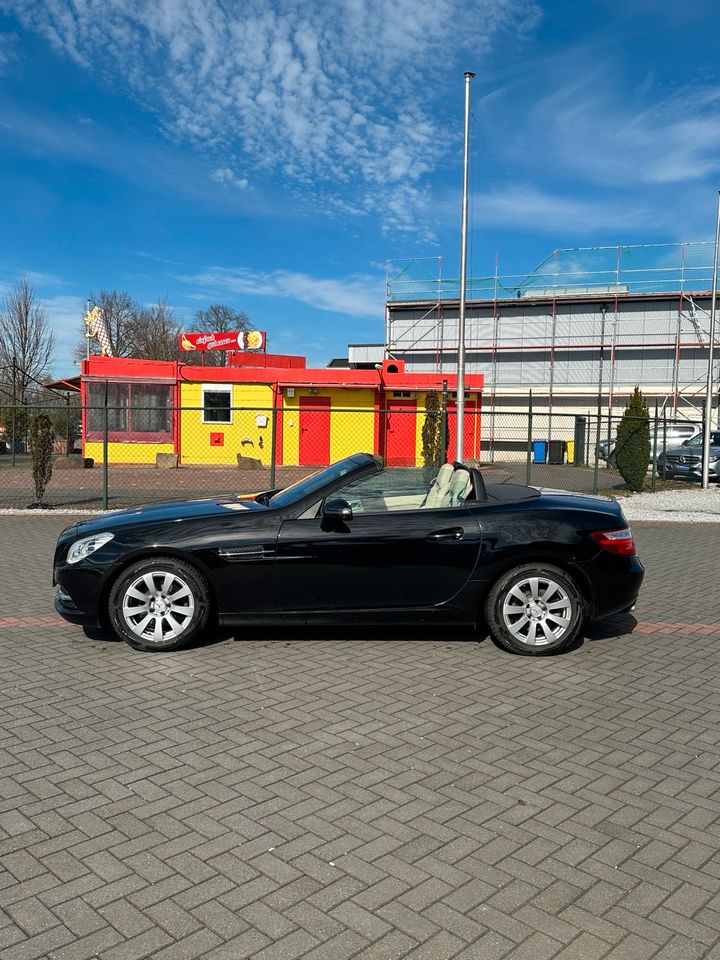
97,327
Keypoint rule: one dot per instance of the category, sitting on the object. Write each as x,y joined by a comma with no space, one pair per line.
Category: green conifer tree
632,449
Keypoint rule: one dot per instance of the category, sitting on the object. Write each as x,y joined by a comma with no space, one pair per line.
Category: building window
136,412
217,404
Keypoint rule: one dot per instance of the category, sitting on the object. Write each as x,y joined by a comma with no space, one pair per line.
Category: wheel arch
157,553
573,570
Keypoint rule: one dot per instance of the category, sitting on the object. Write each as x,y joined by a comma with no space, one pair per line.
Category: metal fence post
655,450
528,464
105,497
597,455
273,444
67,417
14,411
443,421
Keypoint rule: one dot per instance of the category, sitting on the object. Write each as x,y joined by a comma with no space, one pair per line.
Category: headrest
460,486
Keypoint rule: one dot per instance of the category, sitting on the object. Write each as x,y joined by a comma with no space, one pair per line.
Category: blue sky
274,156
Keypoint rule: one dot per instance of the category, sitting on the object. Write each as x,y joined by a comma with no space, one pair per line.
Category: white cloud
520,205
357,296
619,138
65,316
8,50
337,93
225,175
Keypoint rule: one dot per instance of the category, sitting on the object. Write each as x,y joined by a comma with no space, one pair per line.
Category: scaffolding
587,323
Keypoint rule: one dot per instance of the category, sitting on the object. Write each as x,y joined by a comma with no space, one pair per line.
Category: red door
471,431
314,431
401,433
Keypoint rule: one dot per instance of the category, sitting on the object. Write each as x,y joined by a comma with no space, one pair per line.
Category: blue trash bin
540,451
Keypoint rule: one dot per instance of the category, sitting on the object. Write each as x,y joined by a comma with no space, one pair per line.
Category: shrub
41,452
632,449
432,453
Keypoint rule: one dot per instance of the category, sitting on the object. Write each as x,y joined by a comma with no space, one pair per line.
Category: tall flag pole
711,344
460,403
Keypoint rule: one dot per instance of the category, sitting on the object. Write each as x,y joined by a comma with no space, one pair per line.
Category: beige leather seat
460,487
439,493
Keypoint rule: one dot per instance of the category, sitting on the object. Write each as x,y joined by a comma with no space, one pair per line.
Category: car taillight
620,542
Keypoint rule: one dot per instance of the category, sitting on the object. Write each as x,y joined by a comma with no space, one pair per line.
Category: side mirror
338,510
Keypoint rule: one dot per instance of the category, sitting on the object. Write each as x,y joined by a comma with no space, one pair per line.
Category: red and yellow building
209,415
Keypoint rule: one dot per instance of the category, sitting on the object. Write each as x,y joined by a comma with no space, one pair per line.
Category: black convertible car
355,543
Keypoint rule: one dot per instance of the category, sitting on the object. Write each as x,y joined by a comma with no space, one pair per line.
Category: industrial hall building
579,332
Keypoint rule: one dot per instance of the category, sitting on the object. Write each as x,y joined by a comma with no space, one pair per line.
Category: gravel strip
686,506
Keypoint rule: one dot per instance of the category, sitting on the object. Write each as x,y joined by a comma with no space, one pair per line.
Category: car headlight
83,548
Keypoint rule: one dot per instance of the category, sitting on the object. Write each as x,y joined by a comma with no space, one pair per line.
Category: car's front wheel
534,610
159,604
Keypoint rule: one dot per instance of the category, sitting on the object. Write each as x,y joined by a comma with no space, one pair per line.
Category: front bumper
68,610
692,471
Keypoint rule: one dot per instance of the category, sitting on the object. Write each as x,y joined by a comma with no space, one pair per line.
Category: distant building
587,324
209,415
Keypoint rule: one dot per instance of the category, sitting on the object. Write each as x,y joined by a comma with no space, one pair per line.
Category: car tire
160,603
534,610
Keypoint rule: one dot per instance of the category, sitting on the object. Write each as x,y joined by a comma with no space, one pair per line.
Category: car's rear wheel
534,610
159,604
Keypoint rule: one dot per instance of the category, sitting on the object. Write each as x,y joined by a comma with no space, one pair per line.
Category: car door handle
454,533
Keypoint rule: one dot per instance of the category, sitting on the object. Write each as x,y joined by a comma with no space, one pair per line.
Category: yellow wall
127,452
352,427
352,422
195,444
473,398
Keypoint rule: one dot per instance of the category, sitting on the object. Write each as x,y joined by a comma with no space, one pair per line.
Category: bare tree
120,313
26,340
217,318
155,333
220,318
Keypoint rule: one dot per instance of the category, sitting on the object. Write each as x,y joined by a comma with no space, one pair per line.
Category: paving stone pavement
319,795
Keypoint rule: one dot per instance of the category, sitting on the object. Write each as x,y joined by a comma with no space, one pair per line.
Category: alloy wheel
537,611
158,607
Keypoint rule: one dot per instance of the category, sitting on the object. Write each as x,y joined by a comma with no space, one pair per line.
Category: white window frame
217,388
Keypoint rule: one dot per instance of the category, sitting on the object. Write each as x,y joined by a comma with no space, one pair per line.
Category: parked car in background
355,544
686,459
673,433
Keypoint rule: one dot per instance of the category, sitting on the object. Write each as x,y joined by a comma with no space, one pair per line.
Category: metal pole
603,311
707,424
460,406
273,442
67,418
528,464
443,421
105,496
87,338
655,450
14,411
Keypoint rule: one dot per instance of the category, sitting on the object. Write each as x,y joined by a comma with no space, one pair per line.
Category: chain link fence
111,457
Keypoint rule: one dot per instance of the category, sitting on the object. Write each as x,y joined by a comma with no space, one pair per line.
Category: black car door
377,560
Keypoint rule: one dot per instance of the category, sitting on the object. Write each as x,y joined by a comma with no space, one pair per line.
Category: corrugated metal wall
521,344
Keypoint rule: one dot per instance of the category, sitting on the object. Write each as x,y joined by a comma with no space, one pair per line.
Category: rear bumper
616,583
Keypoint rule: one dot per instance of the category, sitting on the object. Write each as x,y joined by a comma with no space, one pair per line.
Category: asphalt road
362,793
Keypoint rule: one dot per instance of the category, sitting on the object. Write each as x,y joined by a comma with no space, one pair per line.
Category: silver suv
686,460
674,434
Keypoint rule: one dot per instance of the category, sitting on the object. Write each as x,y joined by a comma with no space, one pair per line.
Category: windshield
314,482
698,441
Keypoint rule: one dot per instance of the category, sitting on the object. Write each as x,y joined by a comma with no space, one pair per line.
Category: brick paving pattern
362,794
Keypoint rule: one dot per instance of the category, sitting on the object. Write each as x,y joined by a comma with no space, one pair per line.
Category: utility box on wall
217,439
